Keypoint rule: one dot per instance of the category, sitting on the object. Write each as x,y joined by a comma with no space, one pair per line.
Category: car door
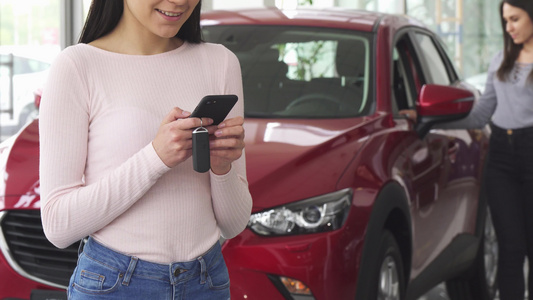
463,147
430,161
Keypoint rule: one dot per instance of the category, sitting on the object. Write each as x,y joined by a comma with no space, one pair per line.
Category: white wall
350,3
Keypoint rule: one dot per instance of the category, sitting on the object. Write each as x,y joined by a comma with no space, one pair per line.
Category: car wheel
388,277
480,283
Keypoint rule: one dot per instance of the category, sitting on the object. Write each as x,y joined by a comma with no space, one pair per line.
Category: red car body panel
290,160
22,169
20,181
15,286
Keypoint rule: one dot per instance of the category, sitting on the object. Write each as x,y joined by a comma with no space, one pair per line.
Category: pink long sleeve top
99,172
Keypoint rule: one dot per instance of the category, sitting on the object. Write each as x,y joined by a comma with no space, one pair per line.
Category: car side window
438,73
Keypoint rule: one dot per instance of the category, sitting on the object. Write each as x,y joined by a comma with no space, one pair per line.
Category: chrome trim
10,259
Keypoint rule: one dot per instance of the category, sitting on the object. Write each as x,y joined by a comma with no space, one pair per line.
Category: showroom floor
438,293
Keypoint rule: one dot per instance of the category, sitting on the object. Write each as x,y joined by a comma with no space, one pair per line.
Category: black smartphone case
200,150
215,107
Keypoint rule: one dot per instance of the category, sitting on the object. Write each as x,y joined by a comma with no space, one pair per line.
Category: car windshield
300,72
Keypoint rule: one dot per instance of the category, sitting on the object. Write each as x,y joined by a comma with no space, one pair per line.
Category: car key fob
200,150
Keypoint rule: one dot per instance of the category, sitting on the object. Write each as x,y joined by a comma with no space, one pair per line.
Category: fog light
295,286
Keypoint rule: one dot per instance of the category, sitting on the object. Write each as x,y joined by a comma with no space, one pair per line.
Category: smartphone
216,107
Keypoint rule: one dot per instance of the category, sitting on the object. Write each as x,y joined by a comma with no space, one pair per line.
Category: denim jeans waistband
173,272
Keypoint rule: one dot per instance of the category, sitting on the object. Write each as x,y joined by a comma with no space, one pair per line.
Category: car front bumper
327,263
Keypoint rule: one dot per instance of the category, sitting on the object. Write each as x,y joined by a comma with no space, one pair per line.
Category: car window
302,72
400,91
407,77
436,67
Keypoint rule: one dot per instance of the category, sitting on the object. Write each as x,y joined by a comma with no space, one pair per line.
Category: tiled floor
439,292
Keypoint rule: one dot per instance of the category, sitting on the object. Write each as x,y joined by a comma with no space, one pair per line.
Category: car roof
352,19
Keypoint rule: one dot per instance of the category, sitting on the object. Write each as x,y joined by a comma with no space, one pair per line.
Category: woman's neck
526,54
130,47
126,41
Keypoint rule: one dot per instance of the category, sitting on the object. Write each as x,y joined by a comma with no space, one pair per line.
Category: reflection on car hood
293,160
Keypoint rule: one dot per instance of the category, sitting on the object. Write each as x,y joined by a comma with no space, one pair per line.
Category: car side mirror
440,104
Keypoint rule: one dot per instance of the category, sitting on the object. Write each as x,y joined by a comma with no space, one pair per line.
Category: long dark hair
510,49
104,16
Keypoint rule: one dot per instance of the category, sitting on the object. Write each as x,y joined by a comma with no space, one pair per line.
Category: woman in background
507,104
115,156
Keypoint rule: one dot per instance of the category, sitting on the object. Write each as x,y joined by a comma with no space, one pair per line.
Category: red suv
351,199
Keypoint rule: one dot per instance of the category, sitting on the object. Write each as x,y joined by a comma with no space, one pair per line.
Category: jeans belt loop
129,272
203,271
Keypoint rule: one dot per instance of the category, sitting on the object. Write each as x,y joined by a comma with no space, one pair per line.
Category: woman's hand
173,141
409,114
227,144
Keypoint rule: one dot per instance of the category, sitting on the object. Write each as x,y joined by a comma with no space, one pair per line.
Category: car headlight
318,214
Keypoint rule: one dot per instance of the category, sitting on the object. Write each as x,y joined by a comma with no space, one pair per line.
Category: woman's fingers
175,114
227,144
173,141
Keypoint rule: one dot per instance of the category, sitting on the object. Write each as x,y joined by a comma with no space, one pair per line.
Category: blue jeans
510,197
102,273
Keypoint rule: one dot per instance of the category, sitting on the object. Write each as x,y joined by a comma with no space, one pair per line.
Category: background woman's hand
173,141
409,114
227,144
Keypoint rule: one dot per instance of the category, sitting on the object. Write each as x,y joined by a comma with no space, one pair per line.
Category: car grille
31,253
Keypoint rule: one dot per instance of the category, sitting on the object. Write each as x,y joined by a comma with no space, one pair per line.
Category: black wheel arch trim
391,199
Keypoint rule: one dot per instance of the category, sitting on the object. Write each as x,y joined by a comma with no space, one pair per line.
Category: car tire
388,278
479,282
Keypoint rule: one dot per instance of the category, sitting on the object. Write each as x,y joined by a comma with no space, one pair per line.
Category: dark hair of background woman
104,16
512,50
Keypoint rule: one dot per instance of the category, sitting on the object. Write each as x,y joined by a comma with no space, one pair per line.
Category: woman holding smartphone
115,156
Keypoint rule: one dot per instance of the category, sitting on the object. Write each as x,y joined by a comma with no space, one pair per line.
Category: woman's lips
170,16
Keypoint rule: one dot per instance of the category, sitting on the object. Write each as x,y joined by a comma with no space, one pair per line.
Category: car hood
19,164
287,160
291,160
